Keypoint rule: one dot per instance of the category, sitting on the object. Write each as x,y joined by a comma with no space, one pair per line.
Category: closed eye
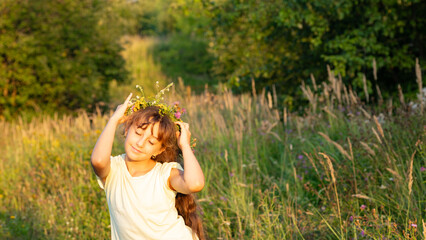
139,131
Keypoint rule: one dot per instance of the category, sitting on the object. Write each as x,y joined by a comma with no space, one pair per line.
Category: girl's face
141,143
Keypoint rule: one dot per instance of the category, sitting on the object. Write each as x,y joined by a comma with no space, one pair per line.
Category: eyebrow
151,132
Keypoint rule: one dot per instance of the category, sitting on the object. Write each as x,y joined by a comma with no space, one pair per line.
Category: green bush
283,42
55,59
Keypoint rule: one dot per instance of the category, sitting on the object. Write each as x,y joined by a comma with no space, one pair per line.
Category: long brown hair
185,203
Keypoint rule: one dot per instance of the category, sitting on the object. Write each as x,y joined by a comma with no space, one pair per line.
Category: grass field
340,171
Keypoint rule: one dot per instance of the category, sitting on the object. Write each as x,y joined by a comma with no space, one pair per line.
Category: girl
148,192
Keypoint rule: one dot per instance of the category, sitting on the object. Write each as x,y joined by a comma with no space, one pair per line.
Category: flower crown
174,112
137,103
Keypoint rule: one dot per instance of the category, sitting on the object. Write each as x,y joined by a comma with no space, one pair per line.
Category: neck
139,167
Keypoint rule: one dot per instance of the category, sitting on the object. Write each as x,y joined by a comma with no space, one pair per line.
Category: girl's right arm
101,154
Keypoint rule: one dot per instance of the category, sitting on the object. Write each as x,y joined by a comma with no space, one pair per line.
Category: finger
184,126
128,99
180,124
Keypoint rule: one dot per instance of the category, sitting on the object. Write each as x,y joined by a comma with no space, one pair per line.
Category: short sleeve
166,170
101,184
113,164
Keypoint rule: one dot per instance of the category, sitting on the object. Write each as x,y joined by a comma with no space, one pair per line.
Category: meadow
340,170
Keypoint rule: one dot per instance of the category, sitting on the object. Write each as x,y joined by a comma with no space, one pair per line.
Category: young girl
148,192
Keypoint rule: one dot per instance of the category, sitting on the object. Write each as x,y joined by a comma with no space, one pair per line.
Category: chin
134,155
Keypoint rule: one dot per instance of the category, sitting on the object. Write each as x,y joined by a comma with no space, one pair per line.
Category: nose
140,142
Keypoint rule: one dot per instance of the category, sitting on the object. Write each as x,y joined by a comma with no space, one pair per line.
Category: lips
136,150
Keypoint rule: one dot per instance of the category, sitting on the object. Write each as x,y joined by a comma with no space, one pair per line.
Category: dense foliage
59,60
283,42
56,55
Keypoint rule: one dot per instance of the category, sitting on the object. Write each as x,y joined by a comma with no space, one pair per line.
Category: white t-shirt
143,207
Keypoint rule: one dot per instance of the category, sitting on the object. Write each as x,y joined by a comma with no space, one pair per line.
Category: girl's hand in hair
191,180
121,109
184,136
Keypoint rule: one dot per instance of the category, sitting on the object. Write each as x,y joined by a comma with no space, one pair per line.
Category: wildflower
363,207
210,203
137,103
351,218
300,156
231,174
422,169
414,225
223,198
362,233
12,217
177,115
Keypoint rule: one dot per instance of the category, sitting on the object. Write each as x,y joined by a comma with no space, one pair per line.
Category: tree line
61,55
284,42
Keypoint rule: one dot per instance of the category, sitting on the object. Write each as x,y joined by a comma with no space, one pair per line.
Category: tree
283,42
56,56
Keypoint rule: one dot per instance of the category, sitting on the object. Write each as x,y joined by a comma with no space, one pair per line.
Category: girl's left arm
192,179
